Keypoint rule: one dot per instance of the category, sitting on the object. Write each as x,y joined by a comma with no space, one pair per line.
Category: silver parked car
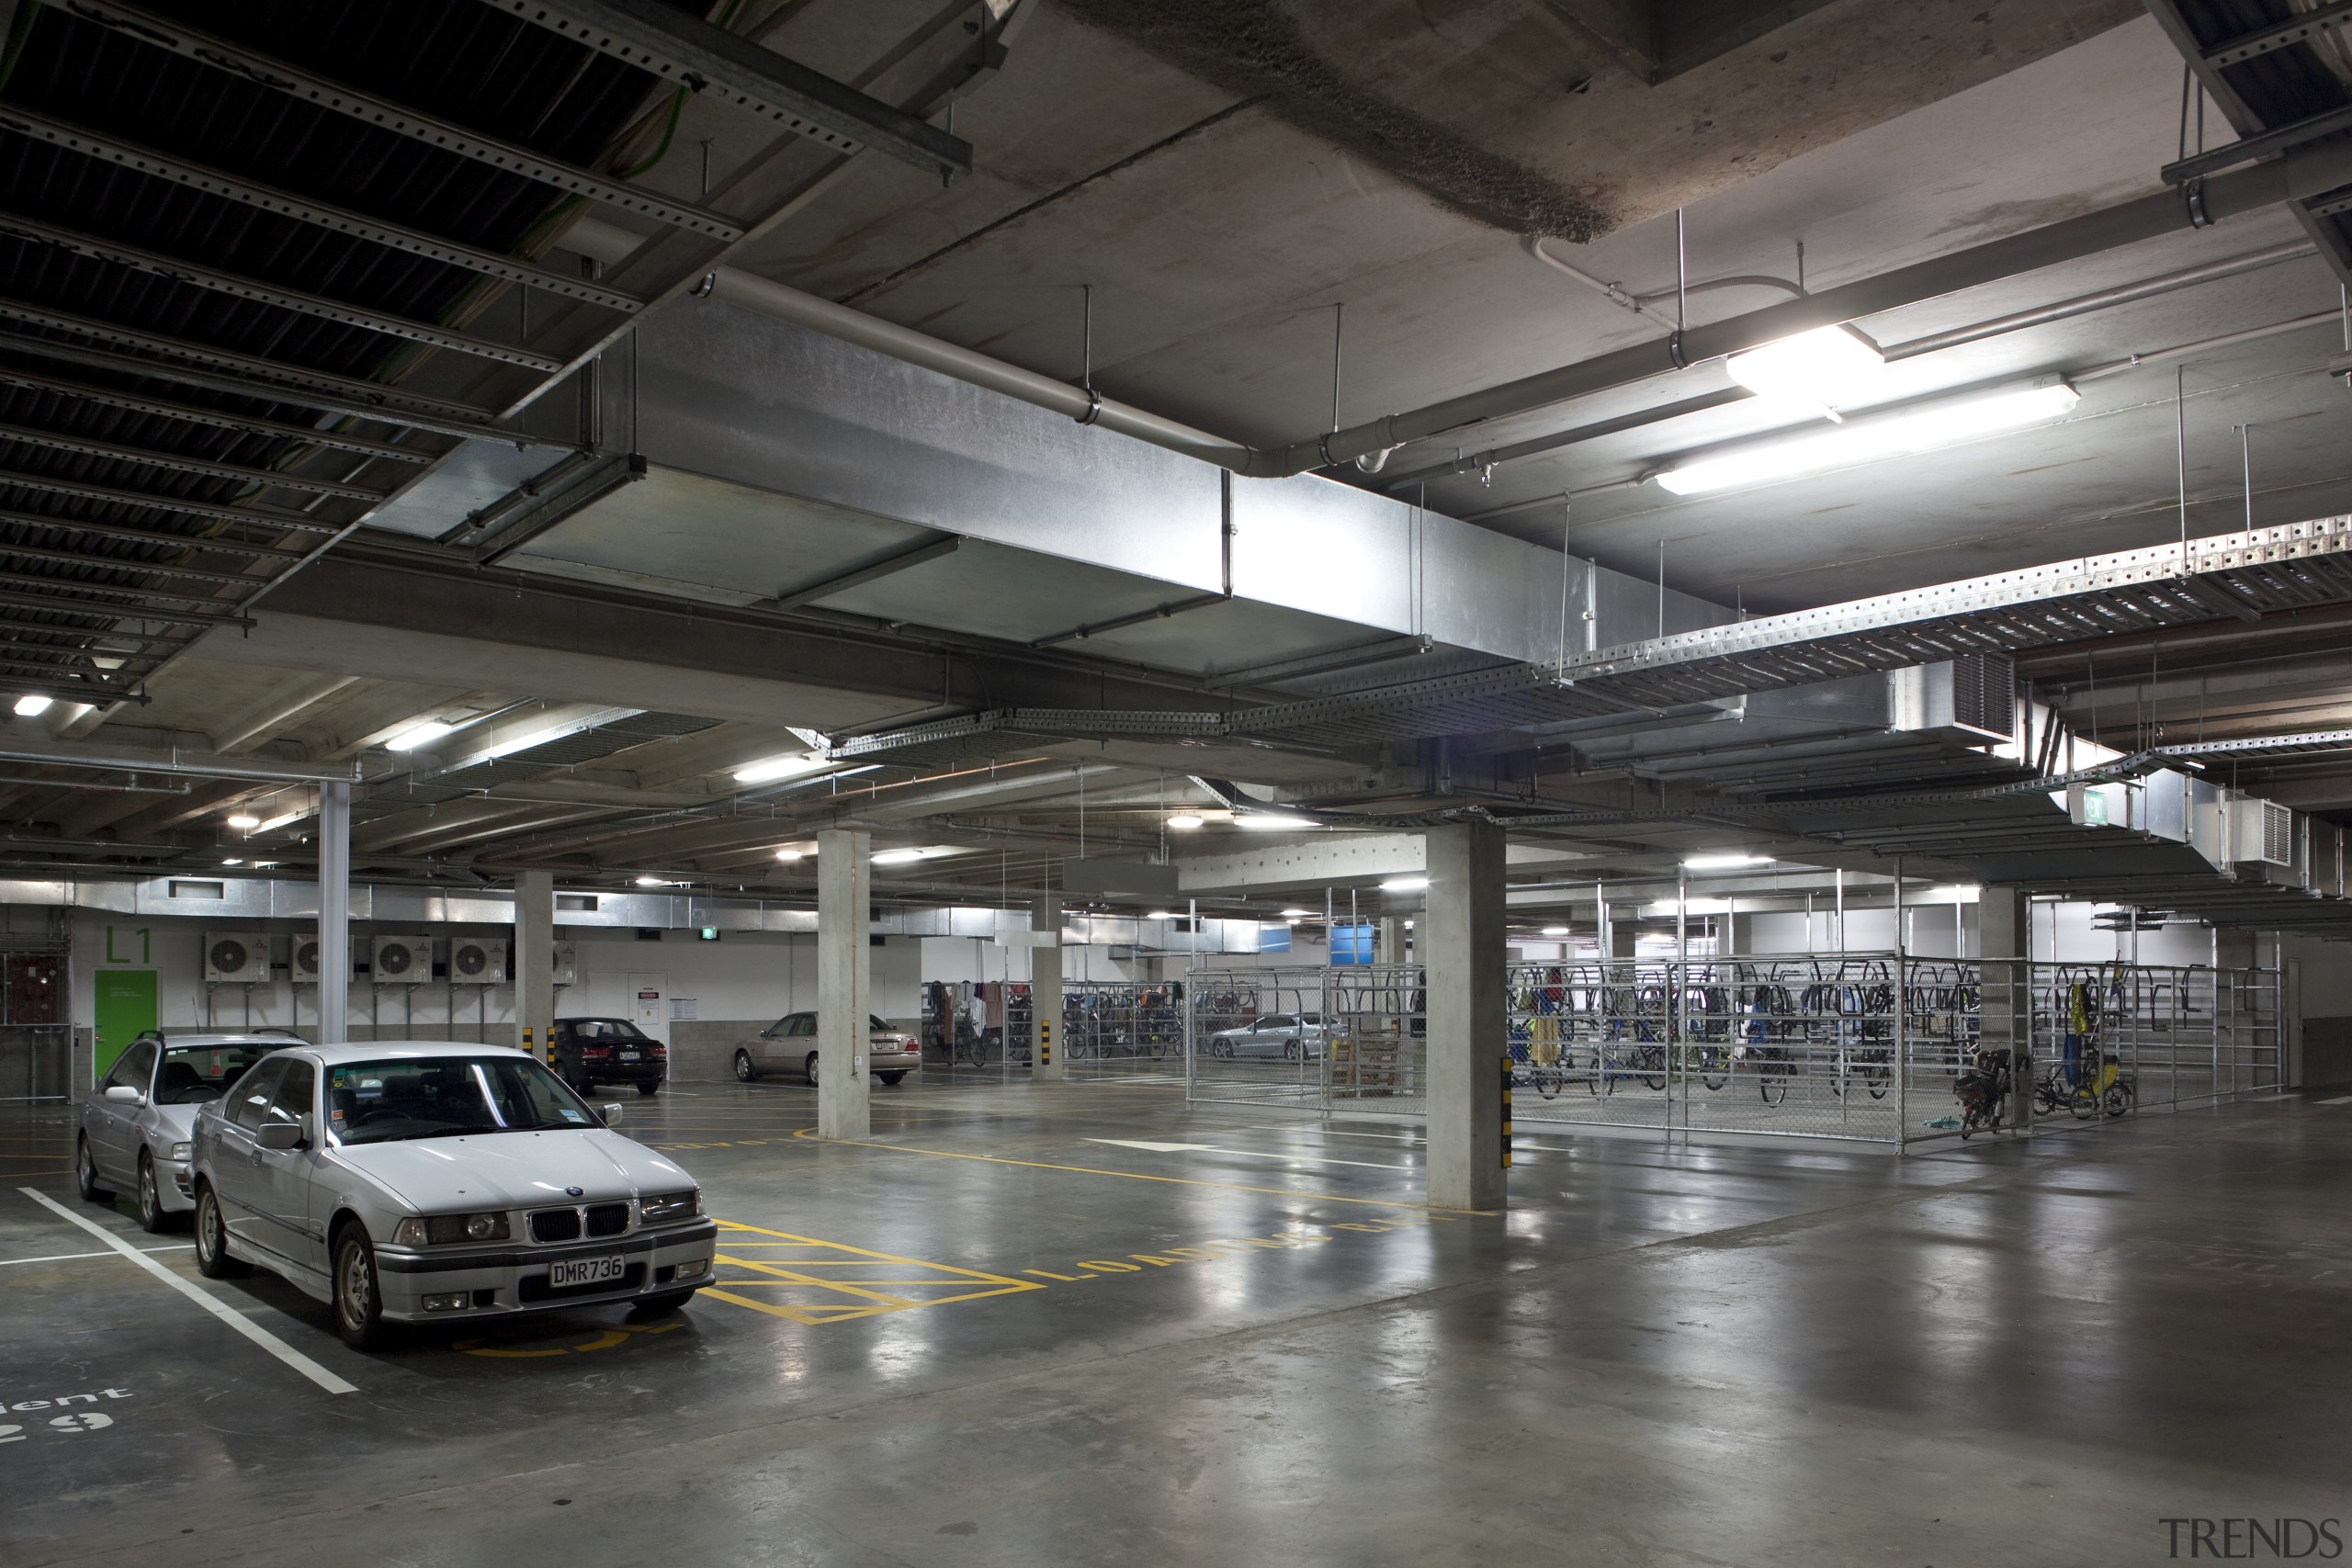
789,1045
1292,1036
417,1182
136,1125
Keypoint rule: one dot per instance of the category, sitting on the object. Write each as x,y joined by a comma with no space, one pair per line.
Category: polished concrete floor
1010,1331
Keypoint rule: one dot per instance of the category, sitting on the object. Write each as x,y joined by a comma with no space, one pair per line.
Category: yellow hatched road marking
824,1301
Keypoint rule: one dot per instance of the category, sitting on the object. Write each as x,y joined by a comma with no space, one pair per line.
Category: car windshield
190,1075
604,1029
437,1096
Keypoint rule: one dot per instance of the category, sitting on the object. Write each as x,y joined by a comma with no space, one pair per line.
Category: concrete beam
1325,859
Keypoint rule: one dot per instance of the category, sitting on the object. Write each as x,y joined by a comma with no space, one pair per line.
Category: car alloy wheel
810,1067
212,1260
745,1071
150,1201
358,1308
85,1174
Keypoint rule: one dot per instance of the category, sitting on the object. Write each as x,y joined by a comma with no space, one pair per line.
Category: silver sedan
1292,1036
420,1181
136,1127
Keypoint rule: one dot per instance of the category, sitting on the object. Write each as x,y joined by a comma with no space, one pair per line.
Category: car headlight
440,1230
669,1206
183,1152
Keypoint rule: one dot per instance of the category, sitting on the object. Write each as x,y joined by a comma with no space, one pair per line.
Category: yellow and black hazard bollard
1045,1043
1506,1111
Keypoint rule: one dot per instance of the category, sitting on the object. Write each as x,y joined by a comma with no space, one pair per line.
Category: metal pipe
200,765
2306,172
2104,300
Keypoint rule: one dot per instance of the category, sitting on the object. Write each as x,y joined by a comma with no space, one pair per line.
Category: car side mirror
611,1113
123,1094
279,1136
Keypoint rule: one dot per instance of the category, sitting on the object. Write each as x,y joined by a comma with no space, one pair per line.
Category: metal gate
36,1041
1866,1046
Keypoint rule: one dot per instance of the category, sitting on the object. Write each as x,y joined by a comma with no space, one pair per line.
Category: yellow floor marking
1174,1180
823,1302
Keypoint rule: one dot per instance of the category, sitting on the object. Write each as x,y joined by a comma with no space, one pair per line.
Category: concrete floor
992,1337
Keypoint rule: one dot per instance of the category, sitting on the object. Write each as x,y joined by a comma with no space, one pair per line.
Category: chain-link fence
1866,1046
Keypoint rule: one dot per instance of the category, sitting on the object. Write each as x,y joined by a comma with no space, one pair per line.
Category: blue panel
1351,944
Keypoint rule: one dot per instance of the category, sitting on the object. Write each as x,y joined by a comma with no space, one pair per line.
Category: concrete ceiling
1223,175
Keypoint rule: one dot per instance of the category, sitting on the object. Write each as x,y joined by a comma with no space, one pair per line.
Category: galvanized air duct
2306,172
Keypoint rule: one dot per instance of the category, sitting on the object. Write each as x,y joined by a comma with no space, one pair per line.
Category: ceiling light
651,882
1961,893
790,854
1690,906
1185,820
1405,885
233,861
899,857
1827,368
417,735
1160,915
274,823
1917,428
1724,862
244,821
1555,930
30,706
1272,822
1297,914
790,766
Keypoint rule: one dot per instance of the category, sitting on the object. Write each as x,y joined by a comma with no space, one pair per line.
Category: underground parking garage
1058,781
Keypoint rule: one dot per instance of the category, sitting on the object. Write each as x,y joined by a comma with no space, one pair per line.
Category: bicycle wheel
1772,1082
1877,1079
1546,1081
2082,1103
1651,1061
1714,1069
2117,1099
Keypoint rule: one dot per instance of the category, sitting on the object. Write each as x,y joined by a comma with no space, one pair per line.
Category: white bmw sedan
419,1181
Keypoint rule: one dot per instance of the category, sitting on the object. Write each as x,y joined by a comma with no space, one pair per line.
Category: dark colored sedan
590,1051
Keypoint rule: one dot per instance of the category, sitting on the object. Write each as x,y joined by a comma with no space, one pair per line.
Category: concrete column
1622,933
1048,1061
2003,930
844,983
1461,935
1393,948
334,913
533,960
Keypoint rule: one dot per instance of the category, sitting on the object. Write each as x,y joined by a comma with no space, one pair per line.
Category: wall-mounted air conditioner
402,960
236,958
477,961
305,967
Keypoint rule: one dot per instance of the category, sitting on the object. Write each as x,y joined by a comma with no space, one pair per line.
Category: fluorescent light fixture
1272,822
1827,368
1184,822
244,821
899,857
274,823
417,735
1555,930
1939,423
1723,863
789,854
1961,893
652,881
792,765
1405,885
1693,907
31,706
1160,915
233,861
1298,914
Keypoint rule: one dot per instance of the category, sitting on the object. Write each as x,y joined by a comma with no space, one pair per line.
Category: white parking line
228,1315
2339,1099
69,1256
1247,1154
